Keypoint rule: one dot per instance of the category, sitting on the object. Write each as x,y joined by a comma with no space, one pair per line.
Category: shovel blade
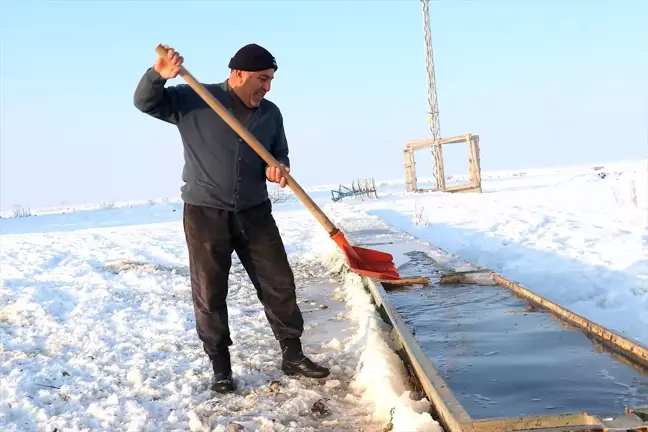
367,262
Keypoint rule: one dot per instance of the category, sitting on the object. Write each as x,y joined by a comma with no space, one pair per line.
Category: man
226,204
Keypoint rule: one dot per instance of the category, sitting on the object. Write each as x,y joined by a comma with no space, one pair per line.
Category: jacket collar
261,109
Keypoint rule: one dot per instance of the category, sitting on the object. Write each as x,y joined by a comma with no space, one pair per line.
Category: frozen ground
97,333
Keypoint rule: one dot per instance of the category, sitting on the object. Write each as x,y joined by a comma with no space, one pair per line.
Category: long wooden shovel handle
252,142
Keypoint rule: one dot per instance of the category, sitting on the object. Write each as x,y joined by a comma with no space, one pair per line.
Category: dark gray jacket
221,170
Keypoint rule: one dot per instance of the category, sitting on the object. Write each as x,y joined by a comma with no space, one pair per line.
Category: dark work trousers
212,236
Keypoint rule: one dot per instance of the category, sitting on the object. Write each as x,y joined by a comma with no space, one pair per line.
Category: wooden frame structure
474,166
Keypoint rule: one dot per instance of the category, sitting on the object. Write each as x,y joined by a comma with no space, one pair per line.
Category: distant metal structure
435,142
364,188
433,105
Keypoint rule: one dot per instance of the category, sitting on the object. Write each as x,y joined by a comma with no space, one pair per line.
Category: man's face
255,85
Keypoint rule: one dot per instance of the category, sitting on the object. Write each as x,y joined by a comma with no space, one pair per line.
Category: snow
381,377
97,332
576,235
97,328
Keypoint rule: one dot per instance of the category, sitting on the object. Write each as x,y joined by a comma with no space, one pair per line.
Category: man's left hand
274,175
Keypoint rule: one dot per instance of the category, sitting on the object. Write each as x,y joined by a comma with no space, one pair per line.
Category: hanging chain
433,113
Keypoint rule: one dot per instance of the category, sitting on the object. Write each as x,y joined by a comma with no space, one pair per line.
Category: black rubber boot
296,363
222,381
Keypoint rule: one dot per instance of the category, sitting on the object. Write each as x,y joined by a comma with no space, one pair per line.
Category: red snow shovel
366,262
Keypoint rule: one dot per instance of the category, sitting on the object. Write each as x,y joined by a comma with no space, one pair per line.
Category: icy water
500,357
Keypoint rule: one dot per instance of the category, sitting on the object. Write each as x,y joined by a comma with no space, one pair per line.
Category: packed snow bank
380,377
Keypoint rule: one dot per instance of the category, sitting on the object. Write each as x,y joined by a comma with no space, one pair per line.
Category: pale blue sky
543,83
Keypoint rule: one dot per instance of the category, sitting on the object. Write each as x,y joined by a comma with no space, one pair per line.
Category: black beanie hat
253,58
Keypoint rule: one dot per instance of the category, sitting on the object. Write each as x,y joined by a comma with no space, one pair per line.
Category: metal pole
433,109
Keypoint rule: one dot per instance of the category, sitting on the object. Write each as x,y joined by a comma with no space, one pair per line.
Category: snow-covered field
96,323
578,236
97,333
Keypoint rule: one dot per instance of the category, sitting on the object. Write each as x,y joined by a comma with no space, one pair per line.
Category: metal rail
452,414
631,349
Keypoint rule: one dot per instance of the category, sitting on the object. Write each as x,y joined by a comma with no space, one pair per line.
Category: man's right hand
168,66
